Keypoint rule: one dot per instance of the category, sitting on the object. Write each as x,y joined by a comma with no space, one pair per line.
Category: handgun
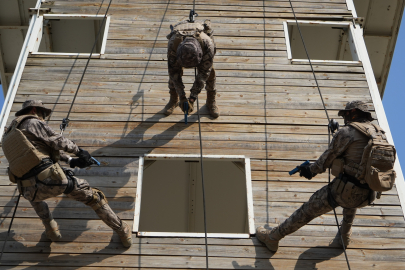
297,169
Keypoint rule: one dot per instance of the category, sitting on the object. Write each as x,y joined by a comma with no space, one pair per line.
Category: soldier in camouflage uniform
345,190
191,45
48,179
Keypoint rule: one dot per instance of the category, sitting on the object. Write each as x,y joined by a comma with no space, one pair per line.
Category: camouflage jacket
41,135
347,143
203,69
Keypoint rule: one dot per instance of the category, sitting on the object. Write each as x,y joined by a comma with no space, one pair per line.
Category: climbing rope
192,16
9,227
202,178
65,121
330,123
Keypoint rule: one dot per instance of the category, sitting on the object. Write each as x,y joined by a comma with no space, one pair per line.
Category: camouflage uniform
349,144
205,69
41,136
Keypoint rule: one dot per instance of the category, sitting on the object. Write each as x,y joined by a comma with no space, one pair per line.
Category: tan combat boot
211,104
346,231
51,229
125,234
269,237
173,102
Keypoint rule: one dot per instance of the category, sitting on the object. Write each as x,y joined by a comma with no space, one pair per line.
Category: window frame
38,29
352,42
249,197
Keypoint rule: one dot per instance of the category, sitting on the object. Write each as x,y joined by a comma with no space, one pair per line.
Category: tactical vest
186,29
377,162
19,151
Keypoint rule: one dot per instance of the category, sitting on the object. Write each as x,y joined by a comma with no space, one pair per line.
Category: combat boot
51,229
346,231
269,237
211,104
173,102
125,234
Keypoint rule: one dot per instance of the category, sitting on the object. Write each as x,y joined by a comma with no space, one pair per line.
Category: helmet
189,52
357,104
28,104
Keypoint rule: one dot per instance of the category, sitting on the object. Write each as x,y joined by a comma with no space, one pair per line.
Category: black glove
306,172
78,162
83,154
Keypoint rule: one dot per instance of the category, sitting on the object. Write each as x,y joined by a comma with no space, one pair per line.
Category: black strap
349,178
331,200
72,182
45,163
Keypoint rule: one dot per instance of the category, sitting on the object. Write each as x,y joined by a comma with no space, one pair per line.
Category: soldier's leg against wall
174,99
95,198
42,209
82,192
346,226
211,94
317,205
51,227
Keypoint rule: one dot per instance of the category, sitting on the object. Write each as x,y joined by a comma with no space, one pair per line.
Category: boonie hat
356,104
28,104
189,53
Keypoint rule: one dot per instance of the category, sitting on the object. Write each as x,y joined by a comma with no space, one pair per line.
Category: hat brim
341,112
25,110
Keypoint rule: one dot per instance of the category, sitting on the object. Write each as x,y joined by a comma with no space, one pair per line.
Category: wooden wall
270,112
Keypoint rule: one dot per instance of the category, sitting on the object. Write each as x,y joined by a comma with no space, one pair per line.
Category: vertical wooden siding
270,112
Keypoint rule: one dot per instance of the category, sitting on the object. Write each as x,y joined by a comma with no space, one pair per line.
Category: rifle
298,168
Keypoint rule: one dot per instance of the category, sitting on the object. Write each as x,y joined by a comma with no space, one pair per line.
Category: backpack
377,162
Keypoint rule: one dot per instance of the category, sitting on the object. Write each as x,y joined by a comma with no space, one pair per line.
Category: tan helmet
356,104
28,104
189,53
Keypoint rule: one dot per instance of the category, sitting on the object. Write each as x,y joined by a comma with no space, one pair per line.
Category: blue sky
394,96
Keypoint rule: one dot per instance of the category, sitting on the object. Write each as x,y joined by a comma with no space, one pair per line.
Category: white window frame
249,196
352,45
38,28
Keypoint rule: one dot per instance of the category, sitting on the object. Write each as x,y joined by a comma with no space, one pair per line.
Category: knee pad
98,199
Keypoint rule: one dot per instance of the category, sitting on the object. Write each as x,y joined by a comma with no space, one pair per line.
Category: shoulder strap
17,122
22,118
362,128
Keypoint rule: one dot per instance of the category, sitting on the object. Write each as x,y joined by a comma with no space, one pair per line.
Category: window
70,34
325,42
169,196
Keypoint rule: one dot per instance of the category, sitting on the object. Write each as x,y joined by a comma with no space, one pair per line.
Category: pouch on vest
21,155
55,172
337,166
378,159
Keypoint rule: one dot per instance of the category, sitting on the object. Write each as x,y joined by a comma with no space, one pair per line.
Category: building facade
272,119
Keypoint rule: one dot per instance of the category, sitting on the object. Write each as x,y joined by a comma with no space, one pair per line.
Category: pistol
297,169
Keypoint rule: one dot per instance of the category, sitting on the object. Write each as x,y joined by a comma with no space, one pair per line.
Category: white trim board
16,78
316,23
249,197
34,50
378,106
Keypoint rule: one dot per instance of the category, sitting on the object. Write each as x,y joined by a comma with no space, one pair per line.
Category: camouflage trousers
348,196
81,192
210,85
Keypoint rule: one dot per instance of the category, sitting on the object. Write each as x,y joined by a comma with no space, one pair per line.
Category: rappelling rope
9,227
191,17
329,122
202,178
65,121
